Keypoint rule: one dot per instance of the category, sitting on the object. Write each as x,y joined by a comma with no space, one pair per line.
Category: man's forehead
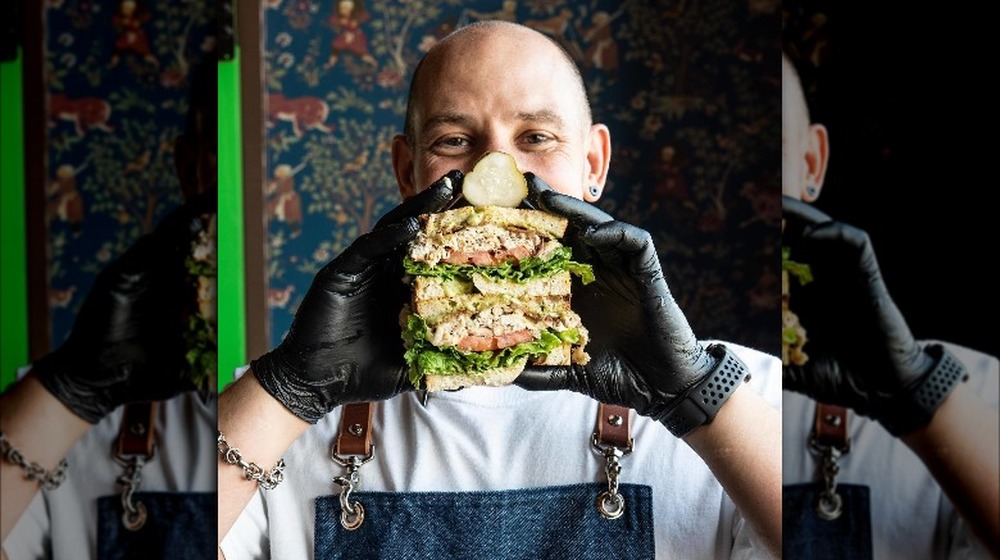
501,52
528,90
496,69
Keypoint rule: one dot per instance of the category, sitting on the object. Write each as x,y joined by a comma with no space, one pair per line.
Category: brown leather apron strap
137,435
613,426
355,437
830,429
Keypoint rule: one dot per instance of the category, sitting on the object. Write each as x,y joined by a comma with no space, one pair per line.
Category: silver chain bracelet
252,471
33,471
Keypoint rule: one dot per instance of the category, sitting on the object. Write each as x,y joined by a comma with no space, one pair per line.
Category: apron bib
178,525
807,535
559,522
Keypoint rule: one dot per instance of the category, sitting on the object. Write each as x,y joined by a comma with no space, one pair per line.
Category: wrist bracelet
699,404
32,470
252,471
918,405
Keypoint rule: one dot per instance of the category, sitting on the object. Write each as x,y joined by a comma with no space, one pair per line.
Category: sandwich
490,290
793,334
201,320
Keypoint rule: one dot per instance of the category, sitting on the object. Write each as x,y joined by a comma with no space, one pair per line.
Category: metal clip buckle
610,504
134,516
830,505
352,514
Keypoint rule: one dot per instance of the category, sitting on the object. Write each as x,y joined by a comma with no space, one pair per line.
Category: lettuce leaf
202,353
798,270
523,271
424,358
789,335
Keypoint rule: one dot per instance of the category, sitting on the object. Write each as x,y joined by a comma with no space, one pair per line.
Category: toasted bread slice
429,287
536,220
493,378
558,284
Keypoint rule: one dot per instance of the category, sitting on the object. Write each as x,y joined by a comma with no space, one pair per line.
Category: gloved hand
344,345
862,354
127,342
644,354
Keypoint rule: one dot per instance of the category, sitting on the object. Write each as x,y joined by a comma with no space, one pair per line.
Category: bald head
805,148
457,46
499,86
794,112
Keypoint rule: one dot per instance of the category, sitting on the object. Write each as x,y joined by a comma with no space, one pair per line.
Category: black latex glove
344,344
644,354
862,354
127,342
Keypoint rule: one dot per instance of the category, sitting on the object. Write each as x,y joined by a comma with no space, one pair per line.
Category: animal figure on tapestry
86,113
602,50
283,202
65,203
305,113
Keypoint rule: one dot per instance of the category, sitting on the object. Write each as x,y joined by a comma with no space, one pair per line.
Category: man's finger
375,245
580,213
620,236
805,213
542,378
434,198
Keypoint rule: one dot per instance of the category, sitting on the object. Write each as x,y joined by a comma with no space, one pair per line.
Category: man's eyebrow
543,116
447,118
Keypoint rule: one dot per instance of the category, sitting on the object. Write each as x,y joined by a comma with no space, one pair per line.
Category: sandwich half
491,290
793,334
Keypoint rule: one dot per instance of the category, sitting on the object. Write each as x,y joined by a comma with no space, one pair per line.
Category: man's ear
817,159
598,161
402,166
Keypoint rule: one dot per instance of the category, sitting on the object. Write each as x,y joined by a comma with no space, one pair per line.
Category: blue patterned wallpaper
117,80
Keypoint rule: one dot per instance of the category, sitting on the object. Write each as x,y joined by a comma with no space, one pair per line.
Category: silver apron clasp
610,504
829,506
134,516
352,514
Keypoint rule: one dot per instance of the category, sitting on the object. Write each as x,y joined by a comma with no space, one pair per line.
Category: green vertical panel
13,257
232,311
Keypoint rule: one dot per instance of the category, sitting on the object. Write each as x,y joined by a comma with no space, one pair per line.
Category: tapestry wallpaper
690,91
116,77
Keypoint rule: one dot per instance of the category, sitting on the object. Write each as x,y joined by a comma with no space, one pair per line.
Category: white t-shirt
62,523
910,515
461,441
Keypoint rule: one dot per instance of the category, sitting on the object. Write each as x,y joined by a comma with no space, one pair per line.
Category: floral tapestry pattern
117,79
690,91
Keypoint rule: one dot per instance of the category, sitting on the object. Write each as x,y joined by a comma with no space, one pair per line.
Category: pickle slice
495,181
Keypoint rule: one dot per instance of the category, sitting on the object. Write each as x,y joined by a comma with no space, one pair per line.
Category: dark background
909,114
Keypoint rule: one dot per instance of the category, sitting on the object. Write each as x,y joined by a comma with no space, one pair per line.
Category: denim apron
164,525
178,525
560,522
808,536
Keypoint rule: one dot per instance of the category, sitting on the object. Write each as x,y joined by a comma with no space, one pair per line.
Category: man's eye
454,142
537,138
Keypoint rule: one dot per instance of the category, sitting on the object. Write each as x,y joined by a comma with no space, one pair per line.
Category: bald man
501,472
913,429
